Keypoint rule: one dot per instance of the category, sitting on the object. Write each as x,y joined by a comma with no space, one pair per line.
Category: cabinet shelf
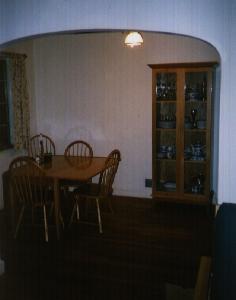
192,130
187,191
182,96
166,159
196,101
193,161
166,101
166,129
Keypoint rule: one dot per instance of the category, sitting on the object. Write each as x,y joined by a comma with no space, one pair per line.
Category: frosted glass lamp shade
133,39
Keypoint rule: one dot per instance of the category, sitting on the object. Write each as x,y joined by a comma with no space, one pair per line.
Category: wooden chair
84,152
116,156
41,143
100,191
79,148
31,189
202,287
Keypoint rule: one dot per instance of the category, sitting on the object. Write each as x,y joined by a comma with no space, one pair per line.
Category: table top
73,167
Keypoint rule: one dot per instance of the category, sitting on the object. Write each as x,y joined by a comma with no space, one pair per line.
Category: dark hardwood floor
145,244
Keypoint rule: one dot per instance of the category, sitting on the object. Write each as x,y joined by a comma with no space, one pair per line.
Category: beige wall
92,87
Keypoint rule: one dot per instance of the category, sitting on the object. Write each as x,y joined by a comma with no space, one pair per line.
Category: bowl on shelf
188,125
193,96
170,185
161,154
201,124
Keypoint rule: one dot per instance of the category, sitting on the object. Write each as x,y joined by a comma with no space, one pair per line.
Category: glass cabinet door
195,132
165,146
182,131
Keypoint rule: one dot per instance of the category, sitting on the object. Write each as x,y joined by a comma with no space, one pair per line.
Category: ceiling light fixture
133,39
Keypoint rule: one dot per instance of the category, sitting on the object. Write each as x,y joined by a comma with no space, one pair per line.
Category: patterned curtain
20,101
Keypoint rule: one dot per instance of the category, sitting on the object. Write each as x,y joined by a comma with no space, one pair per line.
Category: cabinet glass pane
166,159
195,128
166,131
166,115
166,175
166,86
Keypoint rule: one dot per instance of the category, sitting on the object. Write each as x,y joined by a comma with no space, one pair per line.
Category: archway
81,82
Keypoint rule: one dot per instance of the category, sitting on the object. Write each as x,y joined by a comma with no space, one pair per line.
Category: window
5,136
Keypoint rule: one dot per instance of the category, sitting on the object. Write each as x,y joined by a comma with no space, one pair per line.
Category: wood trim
202,284
180,198
180,131
4,54
154,132
185,65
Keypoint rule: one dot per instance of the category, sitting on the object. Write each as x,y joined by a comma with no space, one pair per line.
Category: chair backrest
41,142
115,154
79,148
29,182
107,177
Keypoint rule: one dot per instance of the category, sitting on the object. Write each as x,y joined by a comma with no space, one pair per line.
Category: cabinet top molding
185,65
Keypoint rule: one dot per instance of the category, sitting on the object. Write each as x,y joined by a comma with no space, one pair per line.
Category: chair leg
72,215
32,214
110,205
45,223
99,216
19,220
52,208
87,204
74,210
77,210
62,220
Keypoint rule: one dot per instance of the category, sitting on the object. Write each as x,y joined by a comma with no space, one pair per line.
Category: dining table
70,168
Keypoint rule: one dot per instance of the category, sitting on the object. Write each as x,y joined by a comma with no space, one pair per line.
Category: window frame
5,109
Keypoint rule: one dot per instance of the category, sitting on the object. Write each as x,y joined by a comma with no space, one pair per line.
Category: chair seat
89,189
70,183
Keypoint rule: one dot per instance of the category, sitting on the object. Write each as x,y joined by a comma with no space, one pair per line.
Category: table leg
57,206
12,207
9,203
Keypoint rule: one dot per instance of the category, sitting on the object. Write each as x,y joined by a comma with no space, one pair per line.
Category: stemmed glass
194,113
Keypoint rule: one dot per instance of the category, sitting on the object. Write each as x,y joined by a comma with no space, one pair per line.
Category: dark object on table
47,158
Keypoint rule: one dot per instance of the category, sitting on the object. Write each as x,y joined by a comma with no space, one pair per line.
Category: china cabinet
181,131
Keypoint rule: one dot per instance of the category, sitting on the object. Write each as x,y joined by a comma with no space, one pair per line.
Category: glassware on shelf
162,151
187,153
194,114
204,89
166,121
167,152
198,184
198,151
170,152
166,86
170,186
